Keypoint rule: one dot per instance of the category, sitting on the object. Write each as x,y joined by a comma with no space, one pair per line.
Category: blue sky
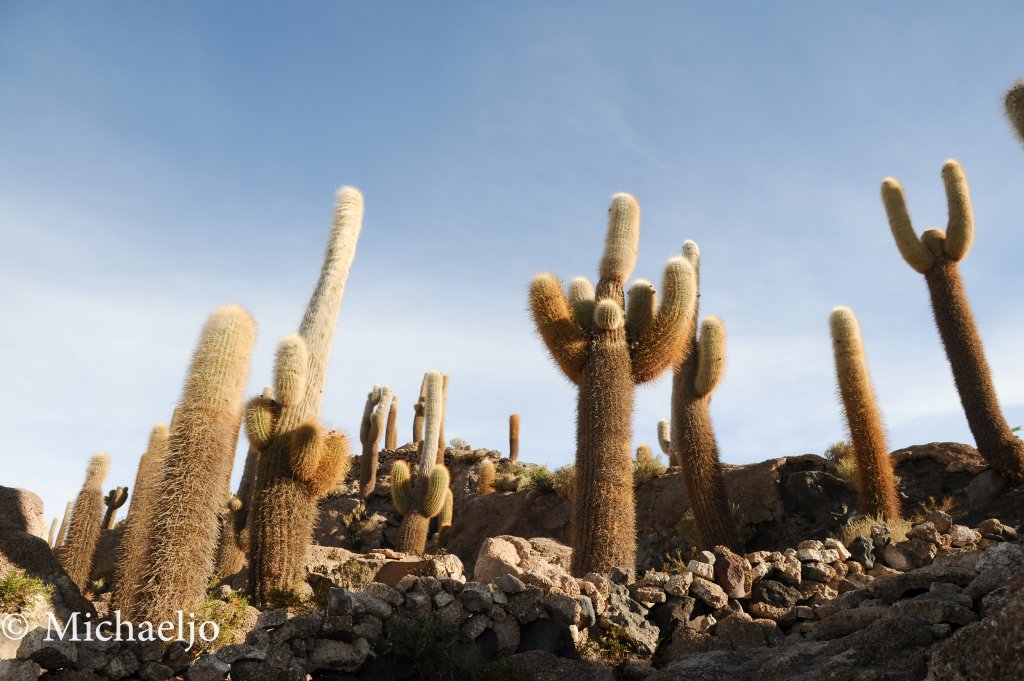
162,159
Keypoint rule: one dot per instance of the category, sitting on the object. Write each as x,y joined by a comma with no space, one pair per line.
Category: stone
741,632
443,598
53,654
701,569
961,536
474,626
447,565
621,575
562,607
775,593
783,616
993,528
537,562
124,664
838,547
679,585
510,584
892,587
19,670
817,571
674,611
941,520
933,612
331,654
896,559
544,666
151,671
507,632
862,550
995,567
475,597
984,489
708,592
587,614
208,668
845,622
786,569
527,606
731,572
647,594
925,531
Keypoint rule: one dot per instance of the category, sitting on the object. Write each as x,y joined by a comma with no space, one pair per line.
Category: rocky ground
945,602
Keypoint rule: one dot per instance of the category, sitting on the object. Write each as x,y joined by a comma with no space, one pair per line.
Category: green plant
511,481
371,430
540,479
420,496
564,481
19,591
609,647
469,455
842,455
606,348
513,437
133,551
185,526
229,615
114,500
428,645
935,255
646,467
876,484
460,445
1015,108
354,575
79,549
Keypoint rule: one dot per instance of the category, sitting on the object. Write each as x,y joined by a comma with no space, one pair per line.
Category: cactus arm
665,438
907,241
621,244
641,306
710,356
391,430
667,339
305,450
581,300
437,488
401,486
333,465
557,327
960,230
261,415
441,442
291,370
433,410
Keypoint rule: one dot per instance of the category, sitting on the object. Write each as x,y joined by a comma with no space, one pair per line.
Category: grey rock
208,668
862,550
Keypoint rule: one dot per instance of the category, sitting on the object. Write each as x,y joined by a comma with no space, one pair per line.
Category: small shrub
469,455
926,508
609,647
861,526
18,591
564,481
842,455
229,616
541,479
513,480
459,443
645,470
674,562
426,645
295,601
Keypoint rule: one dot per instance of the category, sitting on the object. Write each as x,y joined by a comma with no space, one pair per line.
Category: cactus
442,444
391,436
420,495
485,477
299,463
876,483
230,557
62,532
79,549
665,442
370,432
1015,108
644,454
444,520
52,536
204,431
133,551
935,255
417,410
247,483
588,338
114,500
513,437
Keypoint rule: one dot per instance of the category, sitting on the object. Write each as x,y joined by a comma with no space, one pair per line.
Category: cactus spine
588,338
133,552
485,477
935,255
370,433
114,500
420,495
1015,108
391,436
300,463
665,442
62,532
876,484
513,437
200,452
79,549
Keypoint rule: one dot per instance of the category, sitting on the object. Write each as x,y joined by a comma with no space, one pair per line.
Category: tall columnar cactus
665,442
444,520
62,532
371,430
606,347
694,435
1015,108
513,437
246,485
391,435
935,255
298,462
297,465
419,495
876,483
185,528
51,538
230,557
485,477
442,444
79,549
133,551
417,410
114,500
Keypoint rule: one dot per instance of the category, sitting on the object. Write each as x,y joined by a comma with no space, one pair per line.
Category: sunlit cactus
391,434
371,430
606,347
444,520
79,548
876,483
417,410
935,255
665,441
485,477
114,500
513,437
62,531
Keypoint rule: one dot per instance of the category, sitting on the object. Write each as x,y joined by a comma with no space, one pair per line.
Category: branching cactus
230,557
371,431
513,437
665,442
606,347
200,452
79,549
296,467
62,532
442,444
485,477
114,500
247,484
420,495
444,520
692,430
417,411
1015,108
935,255
133,551
876,483
391,436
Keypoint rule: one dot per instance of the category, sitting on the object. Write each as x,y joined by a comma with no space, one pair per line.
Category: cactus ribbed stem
485,477
391,437
370,433
513,437
62,532
79,549
114,500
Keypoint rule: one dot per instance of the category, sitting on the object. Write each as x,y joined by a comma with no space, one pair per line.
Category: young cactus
114,500
1015,108
513,437
133,551
62,531
485,477
606,347
185,529
935,255
370,433
391,436
876,483
420,495
79,549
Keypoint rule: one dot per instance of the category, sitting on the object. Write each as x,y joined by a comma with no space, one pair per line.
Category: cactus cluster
606,347
78,551
371,430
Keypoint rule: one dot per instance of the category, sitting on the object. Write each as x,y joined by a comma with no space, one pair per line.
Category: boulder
538,562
